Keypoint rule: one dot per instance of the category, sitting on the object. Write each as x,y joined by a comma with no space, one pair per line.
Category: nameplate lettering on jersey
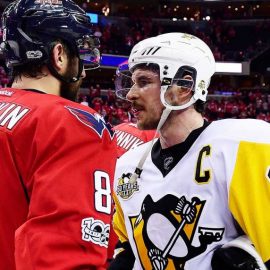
6,93
94,121
127,141
11,114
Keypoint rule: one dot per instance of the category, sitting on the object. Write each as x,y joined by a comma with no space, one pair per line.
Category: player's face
145,98
70,90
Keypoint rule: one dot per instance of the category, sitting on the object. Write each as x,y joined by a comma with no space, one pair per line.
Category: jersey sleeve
69,163
118,221
249,194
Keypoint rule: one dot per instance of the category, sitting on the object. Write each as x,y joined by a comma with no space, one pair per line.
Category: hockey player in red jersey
191,199
129,137
57,156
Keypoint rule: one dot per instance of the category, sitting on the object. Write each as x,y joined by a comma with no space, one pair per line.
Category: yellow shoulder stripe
249,194
119,221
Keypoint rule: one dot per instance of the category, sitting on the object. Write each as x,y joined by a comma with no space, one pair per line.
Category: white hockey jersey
224,177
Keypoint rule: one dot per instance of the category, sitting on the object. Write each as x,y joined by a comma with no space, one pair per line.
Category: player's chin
145,124
141,124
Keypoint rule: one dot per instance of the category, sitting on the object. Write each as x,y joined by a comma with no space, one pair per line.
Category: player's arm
123,255
249,199
69,186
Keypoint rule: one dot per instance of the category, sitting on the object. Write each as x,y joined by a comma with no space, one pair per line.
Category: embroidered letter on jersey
10,114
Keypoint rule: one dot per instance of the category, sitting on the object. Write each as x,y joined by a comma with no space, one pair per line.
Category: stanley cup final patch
126,188
95,231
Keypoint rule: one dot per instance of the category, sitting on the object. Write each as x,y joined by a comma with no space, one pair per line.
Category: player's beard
70,90
149,118
148,125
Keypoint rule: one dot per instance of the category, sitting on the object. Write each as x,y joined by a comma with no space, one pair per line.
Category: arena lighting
93,17
226,67
113,61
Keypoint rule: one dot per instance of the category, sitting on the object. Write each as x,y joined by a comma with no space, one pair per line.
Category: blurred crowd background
236,31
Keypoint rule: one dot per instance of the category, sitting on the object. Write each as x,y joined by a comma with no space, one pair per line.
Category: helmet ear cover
180,75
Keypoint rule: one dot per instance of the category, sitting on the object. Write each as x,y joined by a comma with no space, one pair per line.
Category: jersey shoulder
133,156
34,110
252,130
132,129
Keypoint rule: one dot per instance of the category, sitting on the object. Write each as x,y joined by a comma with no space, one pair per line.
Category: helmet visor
123,81
126,81
141,77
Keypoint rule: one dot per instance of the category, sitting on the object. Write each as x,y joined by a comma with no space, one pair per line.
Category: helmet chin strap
139,169
64,79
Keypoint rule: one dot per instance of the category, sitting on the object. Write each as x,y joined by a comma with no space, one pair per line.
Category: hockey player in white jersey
181,200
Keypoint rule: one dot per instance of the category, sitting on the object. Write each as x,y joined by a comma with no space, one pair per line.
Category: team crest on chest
164,231
92,120
126,188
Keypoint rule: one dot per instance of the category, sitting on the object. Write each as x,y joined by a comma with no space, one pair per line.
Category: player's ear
177,95
186,92
59,57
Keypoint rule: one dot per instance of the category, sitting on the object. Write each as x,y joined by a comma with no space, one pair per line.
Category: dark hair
199,106
34,69
147,66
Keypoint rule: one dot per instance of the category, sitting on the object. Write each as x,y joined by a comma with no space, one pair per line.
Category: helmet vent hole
142,52
150,50
155,50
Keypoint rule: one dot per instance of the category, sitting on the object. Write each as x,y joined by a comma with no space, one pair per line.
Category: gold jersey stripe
119,221
250,186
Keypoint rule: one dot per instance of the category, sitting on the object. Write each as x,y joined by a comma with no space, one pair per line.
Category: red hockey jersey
129,137
57,164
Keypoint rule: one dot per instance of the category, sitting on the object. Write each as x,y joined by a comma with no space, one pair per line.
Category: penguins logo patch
164,231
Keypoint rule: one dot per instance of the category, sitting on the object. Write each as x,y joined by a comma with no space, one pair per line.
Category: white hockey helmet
177,54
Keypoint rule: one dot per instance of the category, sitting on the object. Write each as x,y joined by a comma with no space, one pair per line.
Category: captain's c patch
267,173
